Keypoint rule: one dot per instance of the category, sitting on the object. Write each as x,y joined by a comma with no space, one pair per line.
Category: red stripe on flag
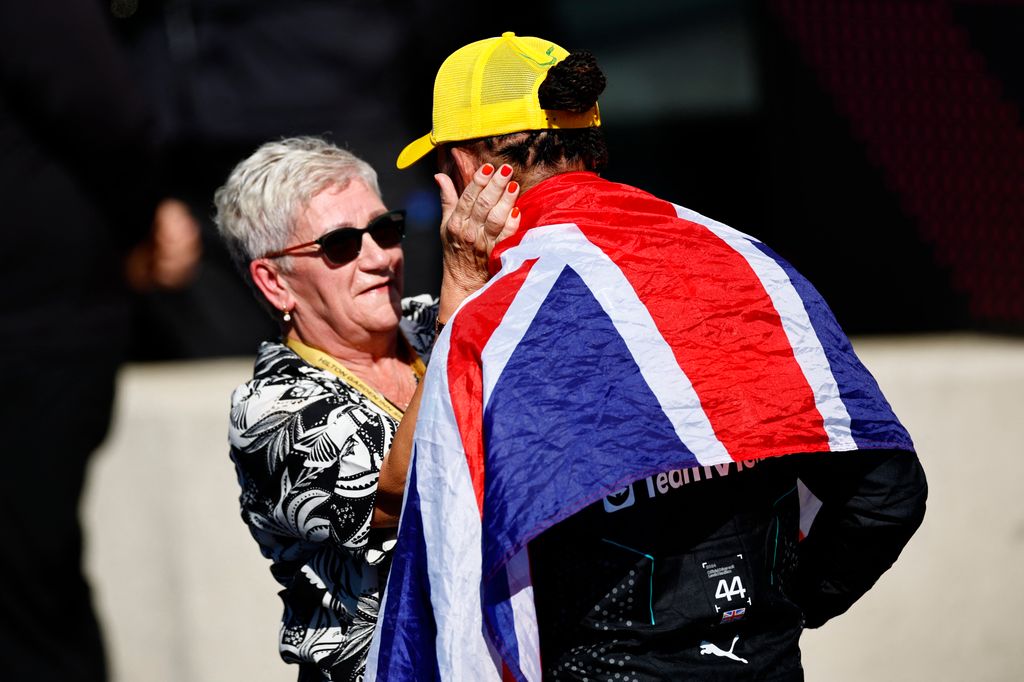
471,330
708,304
725,332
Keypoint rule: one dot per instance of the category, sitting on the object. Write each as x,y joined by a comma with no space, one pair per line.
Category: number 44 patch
728,585
733,589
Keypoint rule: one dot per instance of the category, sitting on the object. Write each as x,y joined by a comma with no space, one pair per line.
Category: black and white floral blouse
307,449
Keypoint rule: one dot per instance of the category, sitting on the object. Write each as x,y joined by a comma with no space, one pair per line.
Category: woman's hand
471,225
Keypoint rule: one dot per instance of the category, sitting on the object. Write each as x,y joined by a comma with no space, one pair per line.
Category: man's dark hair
573,84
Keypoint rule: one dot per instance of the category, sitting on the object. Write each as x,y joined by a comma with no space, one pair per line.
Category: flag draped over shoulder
622,336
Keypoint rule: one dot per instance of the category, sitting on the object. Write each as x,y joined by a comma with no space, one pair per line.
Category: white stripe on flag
452,533
810,505
796,322
525,615
558,245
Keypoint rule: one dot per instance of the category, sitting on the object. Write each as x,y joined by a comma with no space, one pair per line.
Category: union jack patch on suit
734,615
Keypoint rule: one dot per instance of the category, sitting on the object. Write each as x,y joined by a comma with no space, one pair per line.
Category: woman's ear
271,283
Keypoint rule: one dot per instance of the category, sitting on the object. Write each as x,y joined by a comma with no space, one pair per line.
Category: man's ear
466,164
271,283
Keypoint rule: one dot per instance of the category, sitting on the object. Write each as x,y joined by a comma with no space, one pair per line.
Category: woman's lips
382,286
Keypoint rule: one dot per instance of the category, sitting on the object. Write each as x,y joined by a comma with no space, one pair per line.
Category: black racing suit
700,573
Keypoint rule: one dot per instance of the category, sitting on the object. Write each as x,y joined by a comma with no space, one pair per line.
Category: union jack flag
734,614
620,336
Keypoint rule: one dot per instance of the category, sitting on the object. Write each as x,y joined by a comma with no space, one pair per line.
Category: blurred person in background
82,213
626,425
320,436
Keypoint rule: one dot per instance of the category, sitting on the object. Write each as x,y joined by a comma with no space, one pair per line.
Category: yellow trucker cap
489,88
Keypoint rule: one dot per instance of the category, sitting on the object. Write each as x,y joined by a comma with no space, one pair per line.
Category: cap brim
415,151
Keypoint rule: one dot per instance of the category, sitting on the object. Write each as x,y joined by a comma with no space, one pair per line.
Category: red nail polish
512,187
487,169
515,211
505,171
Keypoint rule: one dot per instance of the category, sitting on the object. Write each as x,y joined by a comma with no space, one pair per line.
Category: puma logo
709,648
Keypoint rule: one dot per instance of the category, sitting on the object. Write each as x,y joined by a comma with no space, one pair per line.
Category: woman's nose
371,255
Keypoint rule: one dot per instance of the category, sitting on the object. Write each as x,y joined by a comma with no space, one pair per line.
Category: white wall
185,595
950,608
183,592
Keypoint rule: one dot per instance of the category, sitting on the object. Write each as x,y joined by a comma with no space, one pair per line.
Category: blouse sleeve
418,316
308,457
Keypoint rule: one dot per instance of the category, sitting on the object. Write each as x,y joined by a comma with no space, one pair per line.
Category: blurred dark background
876,145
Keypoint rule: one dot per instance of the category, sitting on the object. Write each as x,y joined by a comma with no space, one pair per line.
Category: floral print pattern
307,449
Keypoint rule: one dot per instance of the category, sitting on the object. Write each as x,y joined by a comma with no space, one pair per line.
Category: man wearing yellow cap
624,434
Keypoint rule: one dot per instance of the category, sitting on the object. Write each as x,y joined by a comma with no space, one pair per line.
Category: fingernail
512,187
506,171
515,211
487,169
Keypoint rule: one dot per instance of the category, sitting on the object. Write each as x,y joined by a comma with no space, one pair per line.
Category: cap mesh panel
509,77
510,70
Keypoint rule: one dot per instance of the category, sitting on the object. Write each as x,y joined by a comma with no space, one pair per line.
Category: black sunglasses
342,245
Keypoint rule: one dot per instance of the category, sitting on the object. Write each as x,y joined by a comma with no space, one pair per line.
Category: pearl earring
287,315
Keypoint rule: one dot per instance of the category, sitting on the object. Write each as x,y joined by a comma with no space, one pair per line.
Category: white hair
266,193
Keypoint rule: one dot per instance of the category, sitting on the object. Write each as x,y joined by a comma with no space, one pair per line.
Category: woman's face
353,302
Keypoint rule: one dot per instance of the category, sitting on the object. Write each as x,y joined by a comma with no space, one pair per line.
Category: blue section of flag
408,633
570,420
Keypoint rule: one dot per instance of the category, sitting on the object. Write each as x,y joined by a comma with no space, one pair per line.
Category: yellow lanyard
318,358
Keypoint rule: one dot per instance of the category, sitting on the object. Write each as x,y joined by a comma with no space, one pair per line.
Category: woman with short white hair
320,436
